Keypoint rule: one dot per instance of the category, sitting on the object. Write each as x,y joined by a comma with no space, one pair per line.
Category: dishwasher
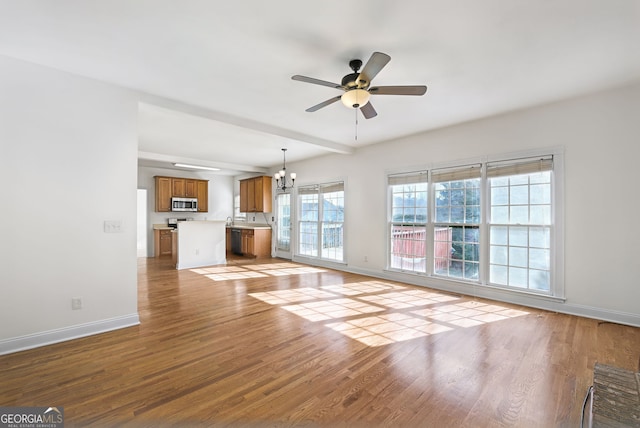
236,241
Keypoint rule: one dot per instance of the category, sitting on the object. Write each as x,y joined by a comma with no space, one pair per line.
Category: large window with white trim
321,221
408,225
488,223
520,223
456,237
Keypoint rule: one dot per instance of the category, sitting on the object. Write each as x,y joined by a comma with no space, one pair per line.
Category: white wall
220,197
68,149
69,163
601,138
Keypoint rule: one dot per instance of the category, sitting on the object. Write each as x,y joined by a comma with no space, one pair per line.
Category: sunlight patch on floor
378,313
408,299
331,309
279,297
387,329
225,273
361,287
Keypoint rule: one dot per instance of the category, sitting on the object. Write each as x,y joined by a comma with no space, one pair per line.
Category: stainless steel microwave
184,204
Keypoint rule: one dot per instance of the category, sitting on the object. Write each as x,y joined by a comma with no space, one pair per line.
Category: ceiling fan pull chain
356,131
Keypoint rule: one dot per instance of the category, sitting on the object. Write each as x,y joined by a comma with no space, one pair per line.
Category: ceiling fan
356,86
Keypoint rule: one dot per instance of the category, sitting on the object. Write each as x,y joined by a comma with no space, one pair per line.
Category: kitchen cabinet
247,242
191,188
163,194
202,193
170,187
163,242
255,194
254,242
177,188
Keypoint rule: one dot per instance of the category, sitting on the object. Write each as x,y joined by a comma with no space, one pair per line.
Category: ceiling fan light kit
356,86
355,98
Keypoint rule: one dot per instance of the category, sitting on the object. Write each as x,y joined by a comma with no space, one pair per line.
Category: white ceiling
217,75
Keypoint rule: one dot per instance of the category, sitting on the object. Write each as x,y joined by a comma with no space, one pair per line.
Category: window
457,222
237,215
321,223
408,226
520,224
488,223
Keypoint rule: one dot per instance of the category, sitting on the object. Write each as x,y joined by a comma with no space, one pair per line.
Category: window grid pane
332,225
408,227
321,225
457,232
520,231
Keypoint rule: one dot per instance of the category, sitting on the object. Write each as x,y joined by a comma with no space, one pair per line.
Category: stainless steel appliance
236,241
184,204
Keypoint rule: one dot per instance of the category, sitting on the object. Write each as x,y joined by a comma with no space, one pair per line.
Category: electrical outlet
366,259
197,251
76,303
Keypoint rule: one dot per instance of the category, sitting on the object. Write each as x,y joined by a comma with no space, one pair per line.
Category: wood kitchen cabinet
255,194
177,188
163,194
191,188
256,242
202,193
163,242
247,242
170,187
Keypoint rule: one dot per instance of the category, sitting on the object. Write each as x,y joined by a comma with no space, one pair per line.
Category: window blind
455,174
332,187
408,178
519,166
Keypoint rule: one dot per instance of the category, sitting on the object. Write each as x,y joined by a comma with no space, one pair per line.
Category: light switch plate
113,226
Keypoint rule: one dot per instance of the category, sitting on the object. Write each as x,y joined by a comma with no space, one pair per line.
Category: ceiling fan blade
323,104
368,111
377,61
398,90
316,81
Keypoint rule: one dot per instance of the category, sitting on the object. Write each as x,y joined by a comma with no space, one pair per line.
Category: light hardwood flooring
274,343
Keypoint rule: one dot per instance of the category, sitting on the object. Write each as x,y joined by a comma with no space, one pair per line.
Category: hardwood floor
273,343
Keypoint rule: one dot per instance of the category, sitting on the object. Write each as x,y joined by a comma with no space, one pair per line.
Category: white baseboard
15,344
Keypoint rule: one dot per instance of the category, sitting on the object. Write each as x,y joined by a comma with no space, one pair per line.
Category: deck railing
408,247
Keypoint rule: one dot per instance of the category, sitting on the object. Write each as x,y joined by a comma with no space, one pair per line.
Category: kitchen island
200,243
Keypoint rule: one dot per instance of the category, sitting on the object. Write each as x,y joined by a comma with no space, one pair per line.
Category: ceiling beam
223,166
245,123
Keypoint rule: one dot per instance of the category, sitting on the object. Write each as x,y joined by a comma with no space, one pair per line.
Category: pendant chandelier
281,176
